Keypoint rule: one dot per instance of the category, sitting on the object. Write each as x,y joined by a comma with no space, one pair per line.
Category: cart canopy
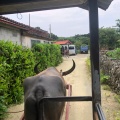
19,6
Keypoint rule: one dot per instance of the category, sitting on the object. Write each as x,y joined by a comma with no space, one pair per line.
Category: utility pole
50,30
29,19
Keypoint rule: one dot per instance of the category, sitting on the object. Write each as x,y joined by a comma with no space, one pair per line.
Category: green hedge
47,54
17,63
115,54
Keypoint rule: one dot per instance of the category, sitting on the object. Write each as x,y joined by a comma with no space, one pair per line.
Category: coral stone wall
111,67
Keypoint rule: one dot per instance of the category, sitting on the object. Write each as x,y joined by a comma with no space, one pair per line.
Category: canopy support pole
94,55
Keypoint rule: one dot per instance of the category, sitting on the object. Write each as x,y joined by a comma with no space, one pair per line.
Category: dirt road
81,86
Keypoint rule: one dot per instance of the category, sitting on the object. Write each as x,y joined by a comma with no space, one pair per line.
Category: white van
72,50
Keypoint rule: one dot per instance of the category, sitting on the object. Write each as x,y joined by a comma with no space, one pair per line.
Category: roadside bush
3,107
115,54
106,87
117,97
104,78
16,63
47,54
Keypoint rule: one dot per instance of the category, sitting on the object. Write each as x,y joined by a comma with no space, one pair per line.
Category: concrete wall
14,35
8,34
26,41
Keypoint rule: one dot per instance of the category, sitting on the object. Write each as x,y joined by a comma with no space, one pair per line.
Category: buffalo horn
70,70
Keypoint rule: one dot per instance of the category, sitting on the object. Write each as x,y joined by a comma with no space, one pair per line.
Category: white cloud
69,21
108,18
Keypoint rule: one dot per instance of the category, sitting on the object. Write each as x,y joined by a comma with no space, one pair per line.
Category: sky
68,22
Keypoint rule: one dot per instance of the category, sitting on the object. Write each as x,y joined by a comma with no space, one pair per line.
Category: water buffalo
48,83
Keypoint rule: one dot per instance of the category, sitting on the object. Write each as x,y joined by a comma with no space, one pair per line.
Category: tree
38,28
54,37
118,25
108,38
78,40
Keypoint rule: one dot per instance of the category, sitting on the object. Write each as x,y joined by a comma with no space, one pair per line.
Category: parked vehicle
84,49
72,50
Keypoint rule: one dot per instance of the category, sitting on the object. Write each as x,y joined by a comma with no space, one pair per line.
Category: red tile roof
63,42
28,29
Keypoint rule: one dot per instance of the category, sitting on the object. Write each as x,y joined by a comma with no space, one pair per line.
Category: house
64,43
67,45
22,34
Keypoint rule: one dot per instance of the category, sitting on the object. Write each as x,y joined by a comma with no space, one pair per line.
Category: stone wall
111,67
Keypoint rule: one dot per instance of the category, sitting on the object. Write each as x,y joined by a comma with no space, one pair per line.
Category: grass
117,97
106,87
88,64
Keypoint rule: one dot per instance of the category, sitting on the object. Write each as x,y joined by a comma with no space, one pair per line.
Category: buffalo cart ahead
18,6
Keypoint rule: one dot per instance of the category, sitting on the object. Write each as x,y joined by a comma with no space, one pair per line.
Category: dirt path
110,105
81,86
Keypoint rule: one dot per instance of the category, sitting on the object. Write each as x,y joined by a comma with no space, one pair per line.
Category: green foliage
118,25
16,63
88,64
117,97
106,87
108,38
118,43
3,107
115,54
78,40
47,54
54,37
104,78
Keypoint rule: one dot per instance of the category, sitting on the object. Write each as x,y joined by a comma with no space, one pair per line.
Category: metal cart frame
94,56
